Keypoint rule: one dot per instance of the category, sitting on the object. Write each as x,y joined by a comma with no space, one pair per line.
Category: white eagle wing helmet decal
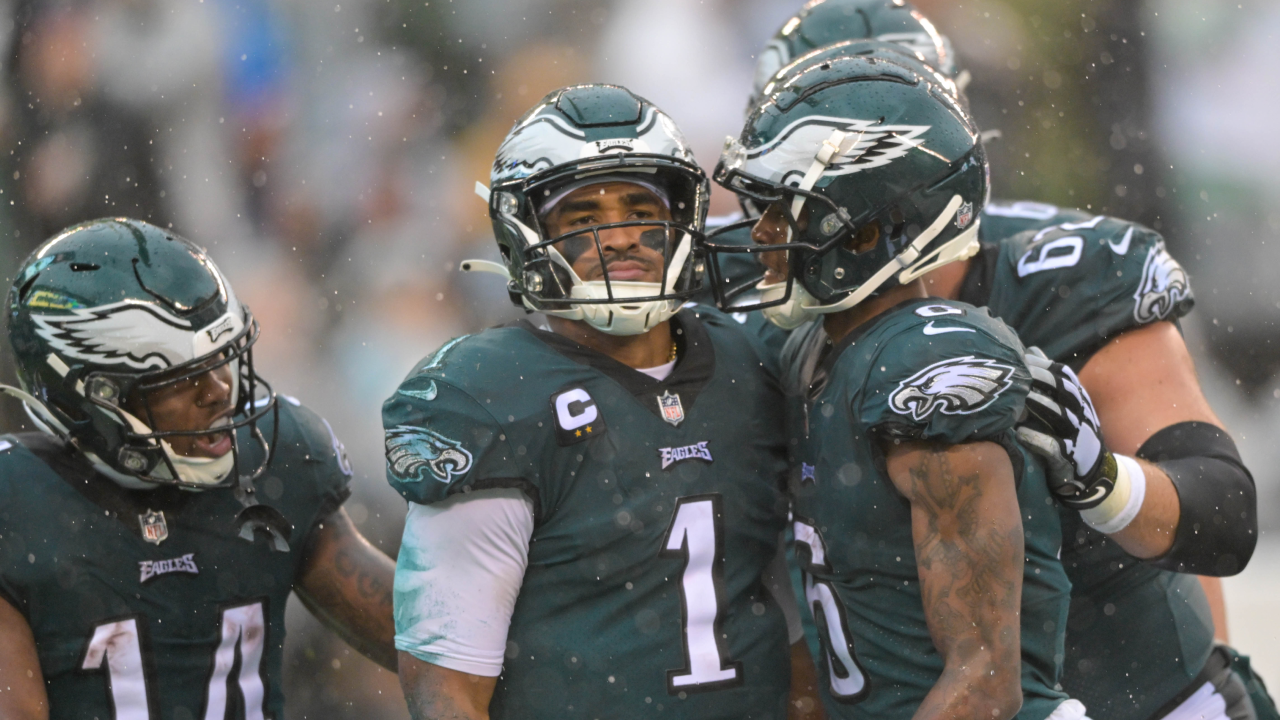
543,141
958,386
868,145
139,336
1164,285
550,141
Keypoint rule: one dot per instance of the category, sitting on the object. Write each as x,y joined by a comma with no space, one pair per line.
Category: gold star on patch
578,433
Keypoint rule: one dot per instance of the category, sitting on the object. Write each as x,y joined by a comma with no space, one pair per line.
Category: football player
928,533
594,501
1102,296
151,532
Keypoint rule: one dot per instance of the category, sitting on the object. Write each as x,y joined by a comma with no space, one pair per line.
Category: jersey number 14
119,645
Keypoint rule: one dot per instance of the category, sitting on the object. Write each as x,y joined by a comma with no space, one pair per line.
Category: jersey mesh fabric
1067,281
933,370
631,479
73,561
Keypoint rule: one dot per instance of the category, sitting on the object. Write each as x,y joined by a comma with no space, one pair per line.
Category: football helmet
104,315
579,137
826,22
878,173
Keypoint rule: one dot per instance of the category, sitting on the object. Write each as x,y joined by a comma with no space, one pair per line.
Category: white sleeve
777,580
460,568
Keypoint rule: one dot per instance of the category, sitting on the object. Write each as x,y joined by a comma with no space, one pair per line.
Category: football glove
1062,427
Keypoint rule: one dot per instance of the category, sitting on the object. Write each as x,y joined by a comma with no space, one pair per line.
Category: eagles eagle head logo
1164,286
958,386
410,450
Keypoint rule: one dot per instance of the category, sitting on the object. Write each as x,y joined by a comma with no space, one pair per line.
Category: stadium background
325,152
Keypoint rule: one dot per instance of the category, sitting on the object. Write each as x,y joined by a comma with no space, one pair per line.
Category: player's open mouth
217,444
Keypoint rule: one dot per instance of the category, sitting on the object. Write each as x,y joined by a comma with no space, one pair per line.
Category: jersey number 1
120,645
696,536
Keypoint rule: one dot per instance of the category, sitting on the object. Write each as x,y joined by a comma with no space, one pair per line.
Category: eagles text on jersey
148,604
654,517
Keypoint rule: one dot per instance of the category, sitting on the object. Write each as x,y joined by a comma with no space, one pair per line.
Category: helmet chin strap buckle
256,516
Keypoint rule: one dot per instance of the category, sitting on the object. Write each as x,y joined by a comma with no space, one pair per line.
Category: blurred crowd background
325,151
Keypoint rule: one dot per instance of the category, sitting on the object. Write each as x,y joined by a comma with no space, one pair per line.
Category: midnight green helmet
825,22
579,136
878,171
115,309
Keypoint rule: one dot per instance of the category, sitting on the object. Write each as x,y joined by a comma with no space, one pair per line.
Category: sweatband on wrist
1125,501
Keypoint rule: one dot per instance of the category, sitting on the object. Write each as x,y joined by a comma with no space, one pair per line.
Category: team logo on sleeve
154,528
577,416
959,386
151,569
1164,286
697,451
411,450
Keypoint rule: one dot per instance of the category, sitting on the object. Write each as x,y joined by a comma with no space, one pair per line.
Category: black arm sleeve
1218,523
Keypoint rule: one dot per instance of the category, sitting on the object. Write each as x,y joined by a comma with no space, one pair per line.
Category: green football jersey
657,506
931,370
147,604
1068,282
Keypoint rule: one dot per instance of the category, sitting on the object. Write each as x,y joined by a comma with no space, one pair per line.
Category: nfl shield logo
964,215
672,410
154,529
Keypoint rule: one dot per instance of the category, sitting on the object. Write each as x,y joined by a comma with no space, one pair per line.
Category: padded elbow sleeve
1218,522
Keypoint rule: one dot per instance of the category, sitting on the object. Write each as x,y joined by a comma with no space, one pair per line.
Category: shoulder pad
1069,287
439,440
1002,219
941,371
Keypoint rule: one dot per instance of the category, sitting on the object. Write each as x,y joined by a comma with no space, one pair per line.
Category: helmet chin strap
901,264
615,318
907,265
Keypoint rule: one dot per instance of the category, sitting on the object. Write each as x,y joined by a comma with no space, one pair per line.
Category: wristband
1122,505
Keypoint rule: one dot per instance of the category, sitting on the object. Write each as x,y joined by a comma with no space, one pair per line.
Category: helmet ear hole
864,240
26,288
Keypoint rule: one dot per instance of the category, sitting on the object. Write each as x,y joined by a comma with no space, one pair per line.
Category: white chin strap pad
194,470
905,263
794,312
908,266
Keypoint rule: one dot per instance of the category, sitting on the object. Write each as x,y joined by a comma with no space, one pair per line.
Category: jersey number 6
845,677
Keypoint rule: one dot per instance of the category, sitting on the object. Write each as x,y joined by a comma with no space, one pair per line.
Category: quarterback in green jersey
929,534
152,530
1102,296
596,504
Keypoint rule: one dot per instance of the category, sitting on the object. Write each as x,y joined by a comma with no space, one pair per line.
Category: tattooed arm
967,529
346,583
